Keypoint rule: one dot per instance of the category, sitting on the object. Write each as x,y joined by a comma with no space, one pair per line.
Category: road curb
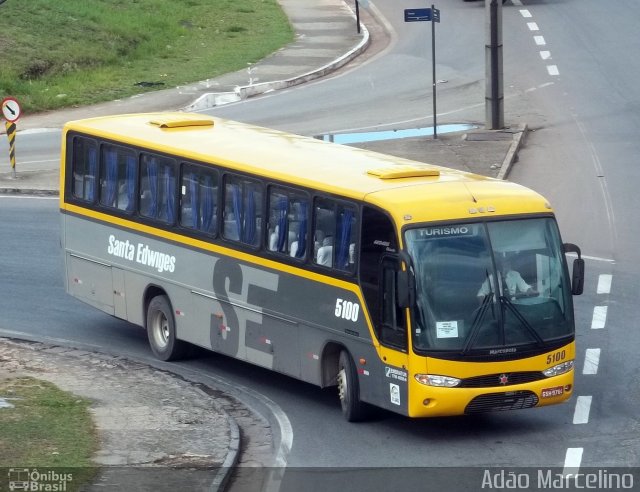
213,99
511,158
28,191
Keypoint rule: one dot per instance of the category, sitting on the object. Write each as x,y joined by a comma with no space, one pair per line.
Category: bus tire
161,330
352,408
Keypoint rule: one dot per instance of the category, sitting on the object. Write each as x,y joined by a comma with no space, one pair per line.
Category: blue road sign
436,15
417,15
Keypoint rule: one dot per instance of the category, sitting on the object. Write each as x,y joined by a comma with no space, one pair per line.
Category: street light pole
494,88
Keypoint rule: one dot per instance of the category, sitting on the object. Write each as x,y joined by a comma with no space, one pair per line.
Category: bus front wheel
352,408
161,330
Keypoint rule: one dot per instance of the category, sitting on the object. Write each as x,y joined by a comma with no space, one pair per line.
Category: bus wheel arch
330,361
161,326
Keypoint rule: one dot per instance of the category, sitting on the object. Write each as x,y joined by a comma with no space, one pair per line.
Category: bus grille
511,378
494,402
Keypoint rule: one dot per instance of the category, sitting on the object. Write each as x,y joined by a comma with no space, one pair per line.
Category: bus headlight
559,369
434,380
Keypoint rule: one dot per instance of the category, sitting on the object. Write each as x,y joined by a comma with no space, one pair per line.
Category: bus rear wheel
161,330
352,408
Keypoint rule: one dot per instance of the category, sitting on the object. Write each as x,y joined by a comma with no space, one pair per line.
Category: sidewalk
149,419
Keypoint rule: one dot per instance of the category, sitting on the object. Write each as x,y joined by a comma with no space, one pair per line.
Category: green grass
61,53
46,428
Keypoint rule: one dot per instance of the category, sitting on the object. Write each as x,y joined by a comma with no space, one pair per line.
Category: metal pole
433,58
358,16
494,97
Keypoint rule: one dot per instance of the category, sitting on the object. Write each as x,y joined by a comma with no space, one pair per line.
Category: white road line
599,317
581,414
539,40
553,70
604,283
525,13
517,3
14,196
533,26
572,460
545,55
591,361
35,131
38,162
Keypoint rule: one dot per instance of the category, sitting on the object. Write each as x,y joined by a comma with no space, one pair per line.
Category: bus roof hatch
403,171
181,120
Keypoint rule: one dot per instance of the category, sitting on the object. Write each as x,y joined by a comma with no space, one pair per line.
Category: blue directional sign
417,15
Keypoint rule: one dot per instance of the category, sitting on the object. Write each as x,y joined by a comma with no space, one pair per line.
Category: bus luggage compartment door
91,281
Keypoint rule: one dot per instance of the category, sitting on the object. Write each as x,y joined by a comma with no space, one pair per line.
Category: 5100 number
347,310
556,357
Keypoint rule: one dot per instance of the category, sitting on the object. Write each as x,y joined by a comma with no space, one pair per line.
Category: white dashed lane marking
604,284
583,407
572,460
553,70
591,361
599,319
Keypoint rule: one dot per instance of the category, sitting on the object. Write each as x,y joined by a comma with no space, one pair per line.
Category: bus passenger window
242,210
324,218
287,228
157,188
117,178
199,199
85,168
335,237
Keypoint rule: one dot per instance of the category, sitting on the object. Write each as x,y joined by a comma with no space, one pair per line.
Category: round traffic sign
10,109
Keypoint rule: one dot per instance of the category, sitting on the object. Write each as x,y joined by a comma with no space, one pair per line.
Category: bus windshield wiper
523,321
477,322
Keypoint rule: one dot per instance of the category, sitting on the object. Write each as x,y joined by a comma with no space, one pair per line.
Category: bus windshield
489,286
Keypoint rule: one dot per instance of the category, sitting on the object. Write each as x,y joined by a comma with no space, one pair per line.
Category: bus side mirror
577,277
577,274
405,282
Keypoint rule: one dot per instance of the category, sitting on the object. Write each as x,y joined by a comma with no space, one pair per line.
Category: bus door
378,272
393,338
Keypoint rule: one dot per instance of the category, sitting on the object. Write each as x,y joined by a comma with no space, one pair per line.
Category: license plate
551,392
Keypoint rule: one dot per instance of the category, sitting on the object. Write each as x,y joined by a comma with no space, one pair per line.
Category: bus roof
411,191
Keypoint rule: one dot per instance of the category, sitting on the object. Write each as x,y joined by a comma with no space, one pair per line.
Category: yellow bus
383,277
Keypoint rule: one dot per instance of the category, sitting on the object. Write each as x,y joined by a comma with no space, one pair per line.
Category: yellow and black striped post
11,134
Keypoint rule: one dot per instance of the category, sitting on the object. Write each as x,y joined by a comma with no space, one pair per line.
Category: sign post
494,90
420,15
11,113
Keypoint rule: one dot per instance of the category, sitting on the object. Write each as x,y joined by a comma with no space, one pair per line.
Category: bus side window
346,232
335,234
117,178
287,228
199,199
242,210
158,188
85,168
324,218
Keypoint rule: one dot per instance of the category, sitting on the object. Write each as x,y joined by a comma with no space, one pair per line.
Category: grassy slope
60,53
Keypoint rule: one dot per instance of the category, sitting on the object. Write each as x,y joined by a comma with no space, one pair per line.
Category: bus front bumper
430,401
